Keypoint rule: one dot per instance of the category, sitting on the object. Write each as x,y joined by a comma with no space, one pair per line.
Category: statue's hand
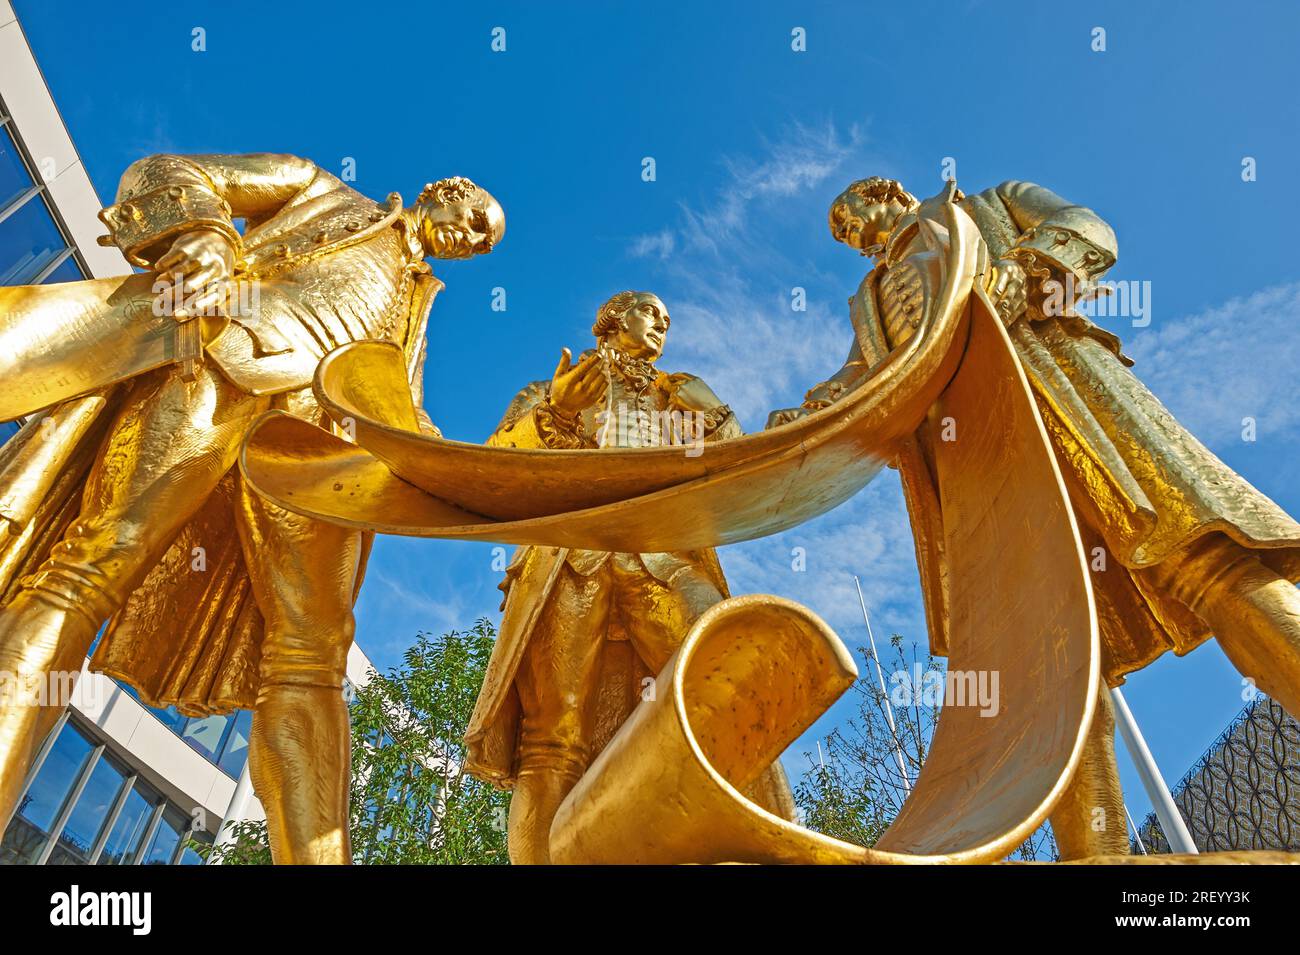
574,388
784,416
1008,287
692,394
199,266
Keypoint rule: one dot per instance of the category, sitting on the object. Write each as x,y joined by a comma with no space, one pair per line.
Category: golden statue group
211,444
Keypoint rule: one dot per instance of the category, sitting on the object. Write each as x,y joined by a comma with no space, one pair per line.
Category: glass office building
88,806
33,247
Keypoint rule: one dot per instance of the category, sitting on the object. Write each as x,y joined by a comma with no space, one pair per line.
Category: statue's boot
300,763
537,795
44,639
1089,819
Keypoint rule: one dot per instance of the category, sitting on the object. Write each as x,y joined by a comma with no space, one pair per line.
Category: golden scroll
755,671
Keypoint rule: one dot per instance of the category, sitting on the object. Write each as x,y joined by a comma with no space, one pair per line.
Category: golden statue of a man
1179,545
123,504
585,632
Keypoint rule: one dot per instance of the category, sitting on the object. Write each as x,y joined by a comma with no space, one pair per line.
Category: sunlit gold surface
132,466
1179,544
216,598
751,675
584,631
756,670
739,489
989,780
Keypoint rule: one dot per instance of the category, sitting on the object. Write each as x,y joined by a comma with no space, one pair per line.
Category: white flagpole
880,675
1137,836
1162,800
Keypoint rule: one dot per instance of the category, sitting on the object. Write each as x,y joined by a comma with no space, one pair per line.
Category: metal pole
880,675
1137,836
1171,821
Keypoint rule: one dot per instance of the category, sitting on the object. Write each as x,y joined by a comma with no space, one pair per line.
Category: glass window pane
90,815
128,832
29,239
235,754
14,178
188,855
68,271
29,830
170,717
204,734
171,827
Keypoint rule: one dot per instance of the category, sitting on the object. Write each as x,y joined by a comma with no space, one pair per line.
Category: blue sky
751,141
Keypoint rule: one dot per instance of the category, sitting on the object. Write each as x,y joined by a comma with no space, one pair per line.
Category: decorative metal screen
1244,793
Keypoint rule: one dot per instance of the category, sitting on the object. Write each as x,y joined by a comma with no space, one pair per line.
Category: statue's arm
532,422
688,393
851,374
1057,235
163,196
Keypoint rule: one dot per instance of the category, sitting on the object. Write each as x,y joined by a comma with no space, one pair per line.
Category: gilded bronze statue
688,775
1179,545
121,502
584,632
222,434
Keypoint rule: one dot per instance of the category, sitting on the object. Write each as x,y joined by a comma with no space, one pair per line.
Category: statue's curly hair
608,315
453,189
880,189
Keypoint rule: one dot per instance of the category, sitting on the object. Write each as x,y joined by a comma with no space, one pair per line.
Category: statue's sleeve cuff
720,423
1064,250
557,430
142,225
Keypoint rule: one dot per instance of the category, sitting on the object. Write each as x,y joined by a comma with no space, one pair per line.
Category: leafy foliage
860,777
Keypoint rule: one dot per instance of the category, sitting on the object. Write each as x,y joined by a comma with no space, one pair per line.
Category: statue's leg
557,683
169,445
656,614
303,574
1089,820
1252,611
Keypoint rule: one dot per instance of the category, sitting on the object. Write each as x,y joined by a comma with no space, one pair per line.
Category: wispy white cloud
660,244
728,267
869,536
1226,363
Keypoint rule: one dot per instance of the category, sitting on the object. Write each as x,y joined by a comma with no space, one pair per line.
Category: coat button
353,226
320,237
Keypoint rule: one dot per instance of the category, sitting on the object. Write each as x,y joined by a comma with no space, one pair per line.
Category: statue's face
861,224
643,328
465,228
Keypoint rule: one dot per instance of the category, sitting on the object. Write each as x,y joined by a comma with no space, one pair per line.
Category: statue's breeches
560,676
169,445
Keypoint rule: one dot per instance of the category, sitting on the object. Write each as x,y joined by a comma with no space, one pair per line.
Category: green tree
412,802
862,771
